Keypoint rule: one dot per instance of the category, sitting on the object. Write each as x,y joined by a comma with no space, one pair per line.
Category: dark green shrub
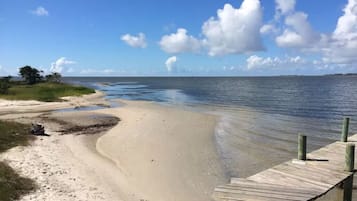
4,86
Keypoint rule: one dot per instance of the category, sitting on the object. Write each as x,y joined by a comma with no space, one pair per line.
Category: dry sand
155,153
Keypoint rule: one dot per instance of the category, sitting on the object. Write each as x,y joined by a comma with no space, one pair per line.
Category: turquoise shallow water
260,117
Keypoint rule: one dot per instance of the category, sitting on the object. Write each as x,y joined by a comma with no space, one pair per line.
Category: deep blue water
260,116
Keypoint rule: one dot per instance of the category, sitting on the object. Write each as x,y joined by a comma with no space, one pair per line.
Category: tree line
29,76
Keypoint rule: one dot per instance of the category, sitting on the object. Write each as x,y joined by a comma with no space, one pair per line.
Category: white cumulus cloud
179,42
298,32
59,65
170,63
292,28
347,24
40,11
343,44
234,30
135,41
338,49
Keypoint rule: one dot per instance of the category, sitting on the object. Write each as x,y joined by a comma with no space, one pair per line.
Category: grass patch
13,134
12,185
47,91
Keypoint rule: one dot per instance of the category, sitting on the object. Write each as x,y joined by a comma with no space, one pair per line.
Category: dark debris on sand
80,124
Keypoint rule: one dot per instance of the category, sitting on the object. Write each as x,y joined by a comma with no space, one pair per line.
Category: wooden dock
322,170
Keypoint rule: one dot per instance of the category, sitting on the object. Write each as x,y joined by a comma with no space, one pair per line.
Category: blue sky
167,37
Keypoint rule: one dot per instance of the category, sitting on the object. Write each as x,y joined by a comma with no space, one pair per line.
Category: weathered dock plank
323,170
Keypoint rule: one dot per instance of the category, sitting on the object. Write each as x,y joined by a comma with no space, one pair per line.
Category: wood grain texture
322,171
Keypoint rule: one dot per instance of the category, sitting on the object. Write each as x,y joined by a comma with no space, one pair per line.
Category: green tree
7,78
30,75
54,77
4,85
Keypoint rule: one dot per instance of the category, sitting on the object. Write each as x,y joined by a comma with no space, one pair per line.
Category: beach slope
163,153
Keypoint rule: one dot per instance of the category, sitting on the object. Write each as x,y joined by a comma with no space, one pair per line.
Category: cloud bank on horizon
237,39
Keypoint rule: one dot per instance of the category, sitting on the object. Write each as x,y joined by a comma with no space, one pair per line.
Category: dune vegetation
34,86
45,91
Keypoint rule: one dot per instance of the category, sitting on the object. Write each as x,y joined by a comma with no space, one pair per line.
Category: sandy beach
164,153
154,153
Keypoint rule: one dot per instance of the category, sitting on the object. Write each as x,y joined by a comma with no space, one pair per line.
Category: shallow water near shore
260,117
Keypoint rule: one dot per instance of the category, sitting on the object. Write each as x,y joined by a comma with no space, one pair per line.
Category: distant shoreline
205,76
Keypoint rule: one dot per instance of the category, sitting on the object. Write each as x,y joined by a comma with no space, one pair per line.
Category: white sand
164,154
155,153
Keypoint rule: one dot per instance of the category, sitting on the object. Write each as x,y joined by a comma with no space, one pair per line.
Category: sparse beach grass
12,185
47,91
13,134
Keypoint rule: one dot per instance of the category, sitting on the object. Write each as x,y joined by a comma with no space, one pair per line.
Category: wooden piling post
350,157
347,188
350,161
344,134
302,147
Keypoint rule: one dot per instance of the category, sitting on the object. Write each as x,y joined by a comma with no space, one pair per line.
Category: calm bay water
260,116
